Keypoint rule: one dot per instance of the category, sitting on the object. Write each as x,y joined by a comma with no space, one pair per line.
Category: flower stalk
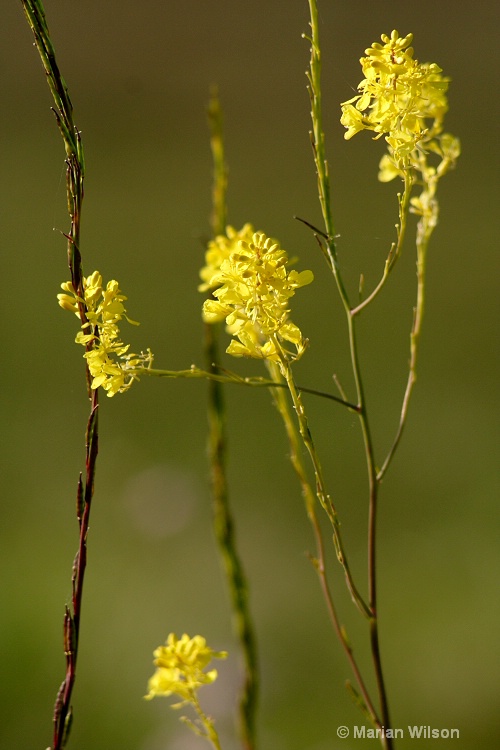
405,102
321,491
426,207
314,78
75,171
180,670
224,526
396,247
223,375
318,561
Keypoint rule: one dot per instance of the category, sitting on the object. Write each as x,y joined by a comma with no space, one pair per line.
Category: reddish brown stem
75,168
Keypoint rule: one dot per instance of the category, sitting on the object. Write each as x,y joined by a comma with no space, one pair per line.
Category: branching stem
396,247
314,77
221,375
321,492
281,401
424,231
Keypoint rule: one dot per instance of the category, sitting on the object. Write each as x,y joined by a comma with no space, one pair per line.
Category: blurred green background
139,76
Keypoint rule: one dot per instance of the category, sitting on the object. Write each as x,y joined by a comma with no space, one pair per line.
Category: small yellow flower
398,97
388,170
220,249
251,292
352,119
179,667
108,360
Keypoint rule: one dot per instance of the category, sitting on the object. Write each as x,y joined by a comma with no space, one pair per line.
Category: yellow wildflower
397,98
252,288
179,667
220,249
108,360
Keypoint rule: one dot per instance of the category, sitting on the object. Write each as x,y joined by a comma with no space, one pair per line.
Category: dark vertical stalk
75,172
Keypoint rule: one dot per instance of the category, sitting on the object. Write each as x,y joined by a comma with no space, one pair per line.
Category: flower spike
399,98
251,291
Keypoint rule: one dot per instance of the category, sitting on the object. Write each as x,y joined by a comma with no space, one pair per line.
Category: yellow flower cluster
179,667
252,287
219,250
397,97
108,361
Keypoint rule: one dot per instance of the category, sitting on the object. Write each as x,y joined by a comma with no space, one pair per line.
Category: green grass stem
223,519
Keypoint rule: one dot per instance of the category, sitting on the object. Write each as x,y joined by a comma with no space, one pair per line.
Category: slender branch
396,247
425,228
373,485
207,730
319,153
321,492
311,226
318,136
282,405
412,375
75,170
324,192
223,518
235,379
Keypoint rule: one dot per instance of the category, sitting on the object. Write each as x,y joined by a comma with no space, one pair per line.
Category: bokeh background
139,76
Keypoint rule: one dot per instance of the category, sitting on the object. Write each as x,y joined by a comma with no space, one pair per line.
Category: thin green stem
373,486
209,731
318,136
223,518
281,402
219,185
324,191
424,231
321,491
75,171
396,247
195,373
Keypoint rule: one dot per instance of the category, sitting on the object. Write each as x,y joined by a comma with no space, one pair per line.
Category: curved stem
424,232
396,247
321,492
282,405
235,379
